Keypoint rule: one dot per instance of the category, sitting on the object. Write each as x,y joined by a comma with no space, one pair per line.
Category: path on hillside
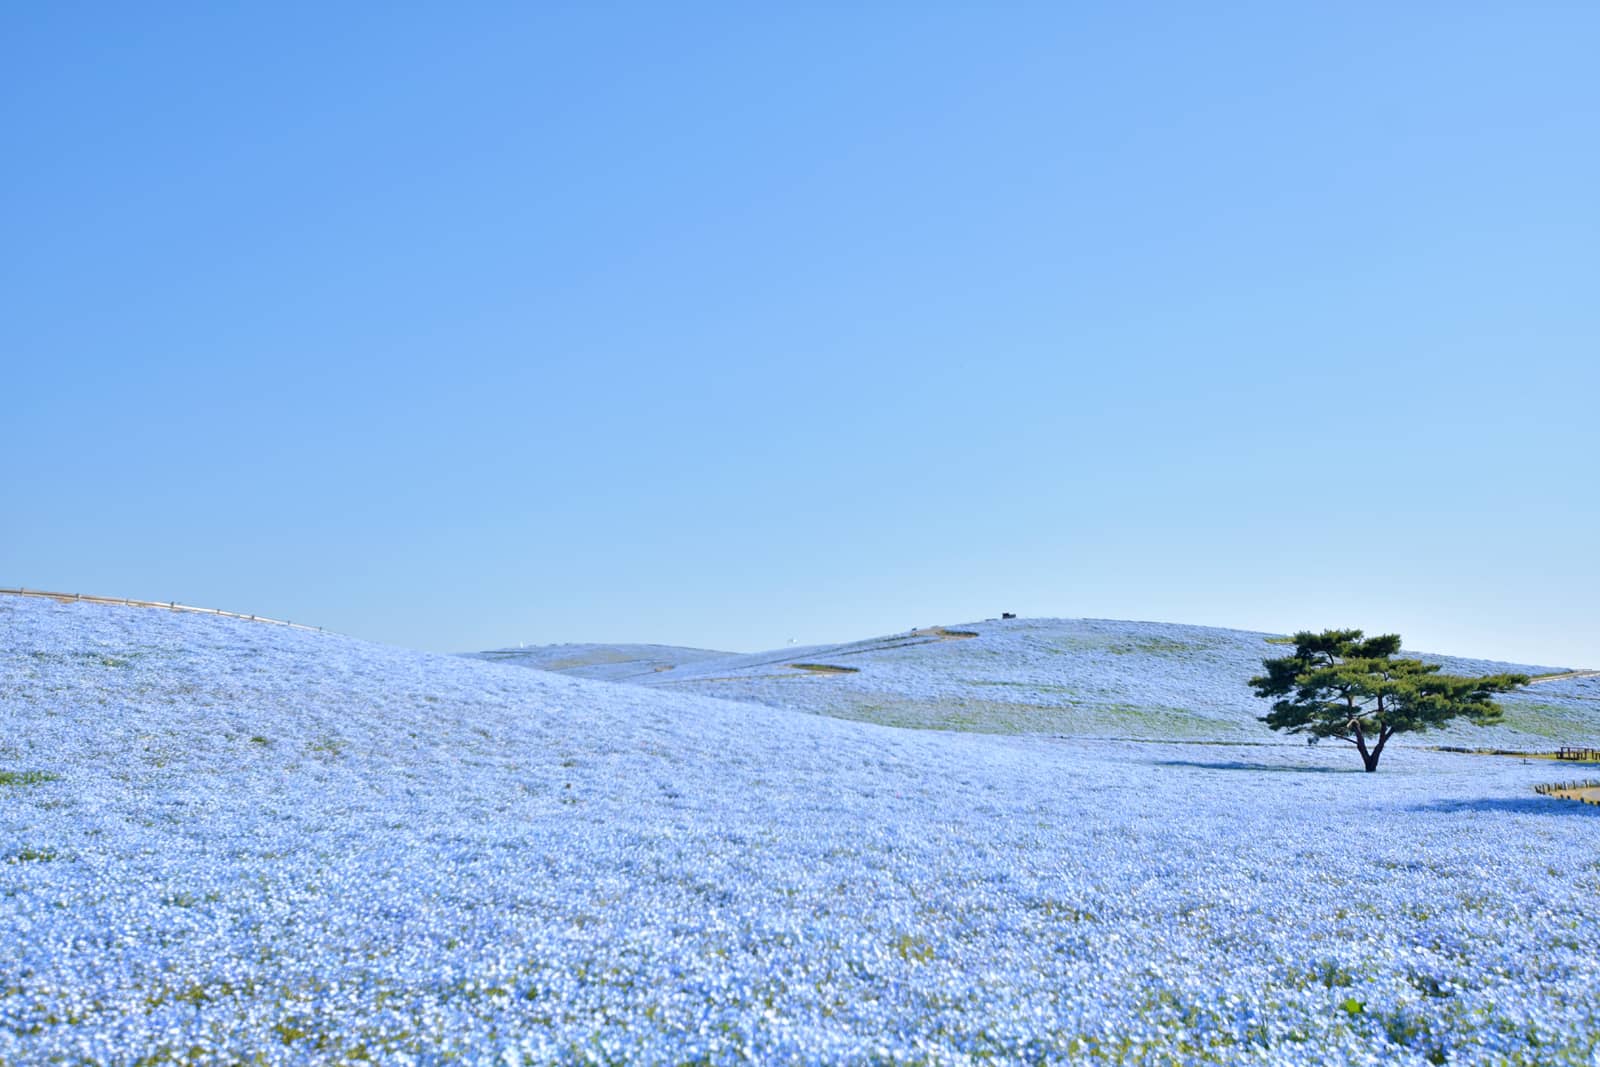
1564,676
170,605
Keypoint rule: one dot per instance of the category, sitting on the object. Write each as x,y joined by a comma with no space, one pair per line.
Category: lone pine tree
1339,684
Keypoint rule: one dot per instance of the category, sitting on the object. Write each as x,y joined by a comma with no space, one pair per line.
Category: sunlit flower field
223,841
1070,677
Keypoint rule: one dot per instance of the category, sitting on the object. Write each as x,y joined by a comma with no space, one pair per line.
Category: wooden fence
1584,792
170,605
1582,755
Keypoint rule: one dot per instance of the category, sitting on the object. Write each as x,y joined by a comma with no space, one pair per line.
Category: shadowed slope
608,663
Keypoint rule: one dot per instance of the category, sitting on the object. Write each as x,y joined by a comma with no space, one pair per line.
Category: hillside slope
1077,677
606,663
225,842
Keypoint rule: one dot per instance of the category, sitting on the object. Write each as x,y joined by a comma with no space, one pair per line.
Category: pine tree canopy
1342,684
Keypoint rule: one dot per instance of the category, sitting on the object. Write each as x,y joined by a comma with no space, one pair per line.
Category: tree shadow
1534,805
1242,765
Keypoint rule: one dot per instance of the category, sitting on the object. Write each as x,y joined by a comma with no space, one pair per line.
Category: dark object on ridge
1008,614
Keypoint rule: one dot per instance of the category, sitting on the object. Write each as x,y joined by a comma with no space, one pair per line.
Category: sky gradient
724,327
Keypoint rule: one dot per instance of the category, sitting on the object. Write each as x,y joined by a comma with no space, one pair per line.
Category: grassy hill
229,842
1068,677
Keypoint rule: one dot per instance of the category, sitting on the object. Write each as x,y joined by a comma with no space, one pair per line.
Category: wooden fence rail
1584,755
1586,792
170,605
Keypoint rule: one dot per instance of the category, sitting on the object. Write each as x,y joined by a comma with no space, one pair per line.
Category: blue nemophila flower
248,842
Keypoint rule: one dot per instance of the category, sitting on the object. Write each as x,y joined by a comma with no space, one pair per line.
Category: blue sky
461,327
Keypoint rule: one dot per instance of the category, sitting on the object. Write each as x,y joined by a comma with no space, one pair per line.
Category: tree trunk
1369,758
1377,750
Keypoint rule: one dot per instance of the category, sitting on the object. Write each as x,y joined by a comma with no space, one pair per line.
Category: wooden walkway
169,605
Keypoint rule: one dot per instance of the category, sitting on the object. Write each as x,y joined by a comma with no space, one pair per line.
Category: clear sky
459,326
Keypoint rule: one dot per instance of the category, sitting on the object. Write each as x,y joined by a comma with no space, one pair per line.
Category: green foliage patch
27,777
29,854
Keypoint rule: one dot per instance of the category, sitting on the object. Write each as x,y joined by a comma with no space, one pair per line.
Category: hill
1067,677
228,842
609,663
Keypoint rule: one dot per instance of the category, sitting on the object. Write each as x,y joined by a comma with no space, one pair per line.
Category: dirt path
1565,676
942,634
169,605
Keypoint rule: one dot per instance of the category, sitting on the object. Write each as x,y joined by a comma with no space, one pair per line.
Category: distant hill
1077,677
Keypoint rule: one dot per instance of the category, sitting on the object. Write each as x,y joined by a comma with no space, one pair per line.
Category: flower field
224,842
1077,677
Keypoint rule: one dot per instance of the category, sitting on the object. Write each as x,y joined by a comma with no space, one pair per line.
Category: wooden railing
170,605
1586,792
